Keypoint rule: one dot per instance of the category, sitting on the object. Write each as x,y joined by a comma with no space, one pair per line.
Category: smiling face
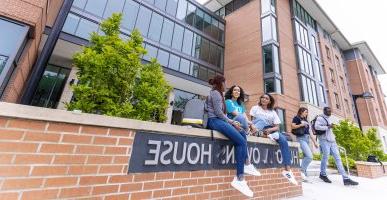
236,92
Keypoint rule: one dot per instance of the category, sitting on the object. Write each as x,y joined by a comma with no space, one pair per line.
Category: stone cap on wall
55,115
369,163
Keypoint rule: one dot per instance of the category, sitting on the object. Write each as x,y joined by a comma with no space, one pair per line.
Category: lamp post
365,95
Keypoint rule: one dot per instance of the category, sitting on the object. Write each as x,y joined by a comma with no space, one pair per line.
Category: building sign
153,152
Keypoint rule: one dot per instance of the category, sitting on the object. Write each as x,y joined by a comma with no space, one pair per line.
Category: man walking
328,146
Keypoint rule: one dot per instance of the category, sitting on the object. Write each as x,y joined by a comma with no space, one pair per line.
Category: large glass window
281,115
3,61
194,69
179,102
269,29
197,42
203,73
178,34
321,94
187,44
155,27
184,66
181,10
214,54
174,62
151,52
129,14
80,3
96,7
190,18
113,6
268,6
71,24
221,32
302,35
166,35
199,19
205,50
50,87
207,24
270,59
215,29
161,4
85,28
171,7
143,20
163,57
269,85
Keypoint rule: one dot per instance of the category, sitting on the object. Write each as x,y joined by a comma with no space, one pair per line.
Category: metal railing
343,150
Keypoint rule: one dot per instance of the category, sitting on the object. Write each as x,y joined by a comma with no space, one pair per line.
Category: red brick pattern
370,171
47,160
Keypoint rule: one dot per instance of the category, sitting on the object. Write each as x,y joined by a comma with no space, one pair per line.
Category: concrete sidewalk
374,189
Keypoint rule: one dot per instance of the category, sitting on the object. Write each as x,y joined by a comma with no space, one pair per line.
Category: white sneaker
250,169
289,175
303,176
242,187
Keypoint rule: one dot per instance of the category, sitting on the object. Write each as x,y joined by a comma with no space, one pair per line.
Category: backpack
313,124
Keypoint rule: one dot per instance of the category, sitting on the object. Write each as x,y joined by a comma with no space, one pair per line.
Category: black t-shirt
297,120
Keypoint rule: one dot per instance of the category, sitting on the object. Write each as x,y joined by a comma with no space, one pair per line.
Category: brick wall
370,170
42,159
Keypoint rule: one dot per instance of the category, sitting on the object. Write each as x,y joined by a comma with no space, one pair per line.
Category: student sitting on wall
236,109
267,122
218,120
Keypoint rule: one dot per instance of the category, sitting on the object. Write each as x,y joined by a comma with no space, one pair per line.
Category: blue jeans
284,147
237,137
331,148
242,119
308,156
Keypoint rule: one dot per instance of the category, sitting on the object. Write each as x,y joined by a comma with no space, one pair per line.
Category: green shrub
113,80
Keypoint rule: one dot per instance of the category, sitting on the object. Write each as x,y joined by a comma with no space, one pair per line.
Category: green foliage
358,146
113,81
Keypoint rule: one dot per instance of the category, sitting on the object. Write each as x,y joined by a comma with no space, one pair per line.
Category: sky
361,20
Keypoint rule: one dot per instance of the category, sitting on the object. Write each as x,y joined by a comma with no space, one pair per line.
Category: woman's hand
237,125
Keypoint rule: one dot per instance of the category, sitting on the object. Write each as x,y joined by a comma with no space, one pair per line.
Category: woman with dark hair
236,109
300,128
267,122
218,120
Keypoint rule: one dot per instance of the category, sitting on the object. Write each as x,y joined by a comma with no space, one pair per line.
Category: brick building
289,48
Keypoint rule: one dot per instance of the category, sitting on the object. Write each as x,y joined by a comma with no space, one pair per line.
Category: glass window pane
314,93
205,50
113,6
273,5
276,59
166,35
221,57
274,28
199,19
174,62
163,57
184,66
304,89
129,14
314,46
177,37
96,7
79,4
143,20
197,41
71,24
85,28
300,59
207,24
151,52
214,54
194,69
203,73
322,94
150,1
266,29
187,44
3,61
161,4
309,64
190,18
155,27
211,73
268,58
265,6
181,10
171,7
214,28
269,85
221,32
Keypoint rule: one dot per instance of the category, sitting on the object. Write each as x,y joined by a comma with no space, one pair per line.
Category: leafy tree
112,79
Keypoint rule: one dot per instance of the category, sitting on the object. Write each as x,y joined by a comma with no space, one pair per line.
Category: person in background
218,120
328,146
266,118
300,128
236,109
